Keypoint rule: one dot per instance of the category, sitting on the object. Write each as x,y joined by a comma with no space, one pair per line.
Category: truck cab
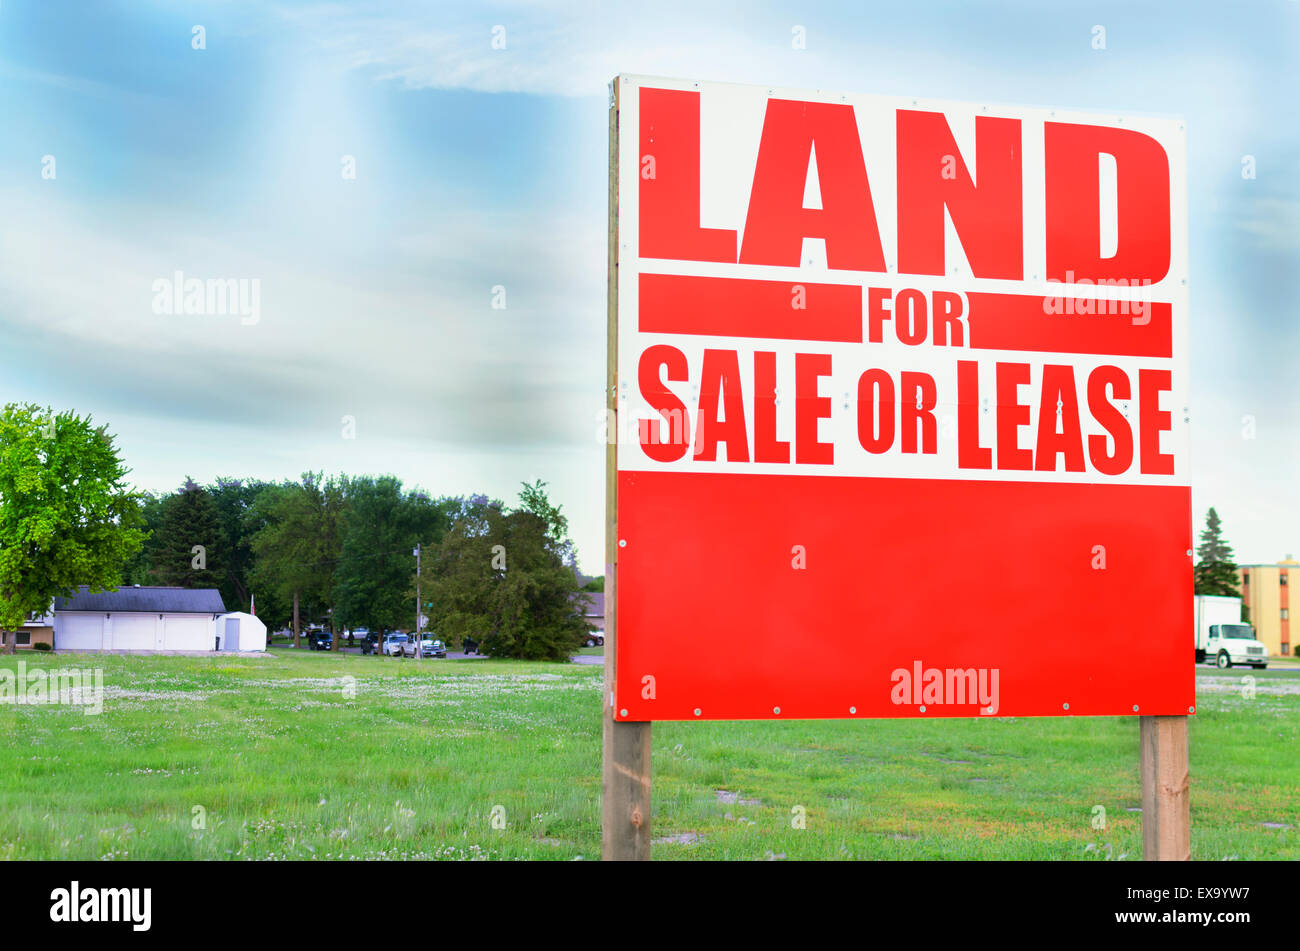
1230,644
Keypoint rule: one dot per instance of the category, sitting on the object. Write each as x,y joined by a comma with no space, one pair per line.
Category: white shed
238,631
139,619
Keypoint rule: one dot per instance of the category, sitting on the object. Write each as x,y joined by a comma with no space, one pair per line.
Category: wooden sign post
1166,800
625,747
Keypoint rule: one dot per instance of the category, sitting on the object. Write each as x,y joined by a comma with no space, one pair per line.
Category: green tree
376,571
139,569
295,540
532,499
234,500
595,584
188,549
67,517
459,575
507,580
1215,571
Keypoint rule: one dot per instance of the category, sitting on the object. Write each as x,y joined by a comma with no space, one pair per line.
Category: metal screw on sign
1135,708
853,710
923,709
1065,706
1191,709
622,543
622,713
697,711
776,710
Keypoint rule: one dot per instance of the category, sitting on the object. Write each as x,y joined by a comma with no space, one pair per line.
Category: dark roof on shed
149,600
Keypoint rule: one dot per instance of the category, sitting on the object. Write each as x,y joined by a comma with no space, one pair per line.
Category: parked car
428,648
393,644
469,646
594,639
320,640
370,643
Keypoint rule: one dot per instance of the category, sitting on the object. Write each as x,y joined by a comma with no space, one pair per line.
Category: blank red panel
1077,594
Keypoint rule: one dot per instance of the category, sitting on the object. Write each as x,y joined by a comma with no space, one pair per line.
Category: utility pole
419,641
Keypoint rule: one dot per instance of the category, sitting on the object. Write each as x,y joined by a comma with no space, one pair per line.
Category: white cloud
1272,222
570,49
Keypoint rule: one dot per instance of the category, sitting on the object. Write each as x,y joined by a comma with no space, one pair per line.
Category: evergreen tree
1215,571
187,549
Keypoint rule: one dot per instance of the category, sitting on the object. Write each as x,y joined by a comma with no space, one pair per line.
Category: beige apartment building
1265,591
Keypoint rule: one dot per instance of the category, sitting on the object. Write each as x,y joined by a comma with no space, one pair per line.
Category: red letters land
932,175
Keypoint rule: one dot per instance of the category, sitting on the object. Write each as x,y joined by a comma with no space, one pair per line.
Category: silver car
428,648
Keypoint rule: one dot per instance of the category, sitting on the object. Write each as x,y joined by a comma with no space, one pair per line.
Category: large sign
902,404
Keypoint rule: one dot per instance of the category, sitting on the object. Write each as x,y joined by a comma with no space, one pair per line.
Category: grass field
303,755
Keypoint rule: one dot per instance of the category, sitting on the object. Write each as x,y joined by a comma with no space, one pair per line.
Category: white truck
1222,638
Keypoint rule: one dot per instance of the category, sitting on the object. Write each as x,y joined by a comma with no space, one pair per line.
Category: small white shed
238,631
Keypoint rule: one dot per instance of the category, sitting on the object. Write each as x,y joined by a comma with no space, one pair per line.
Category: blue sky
479,167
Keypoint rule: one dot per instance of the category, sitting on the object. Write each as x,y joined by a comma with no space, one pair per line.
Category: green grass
283,763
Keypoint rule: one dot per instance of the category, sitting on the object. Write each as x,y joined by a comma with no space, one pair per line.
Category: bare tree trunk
295,619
